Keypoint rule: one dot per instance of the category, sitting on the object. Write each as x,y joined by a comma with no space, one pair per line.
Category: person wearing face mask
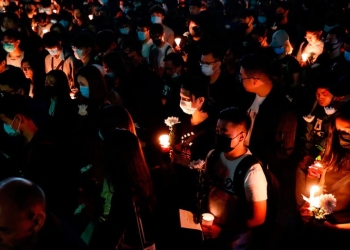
333,58
143,35
159,49
243,33
312,47
194,137
332,172
43,24
83,48
59,58
157,16
286,65
171,83
281,22
11,44
232,226
220,85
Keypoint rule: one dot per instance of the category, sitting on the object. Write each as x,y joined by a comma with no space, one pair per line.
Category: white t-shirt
253,111
16,62
145,49
223,205
163,53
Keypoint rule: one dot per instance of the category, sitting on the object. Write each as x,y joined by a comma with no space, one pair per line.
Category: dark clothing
171,96
285,69
274,132
57,235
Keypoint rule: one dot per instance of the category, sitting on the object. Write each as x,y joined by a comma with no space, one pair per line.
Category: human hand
315,170
211,232
305,213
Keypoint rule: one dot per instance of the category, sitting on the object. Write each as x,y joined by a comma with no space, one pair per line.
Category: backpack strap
240,172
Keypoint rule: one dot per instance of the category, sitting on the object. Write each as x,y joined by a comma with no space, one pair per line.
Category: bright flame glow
164,141
45,31
177,41
54,11
207,219
304,57
313,190
91,17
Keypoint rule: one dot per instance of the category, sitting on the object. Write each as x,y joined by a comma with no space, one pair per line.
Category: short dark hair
51,39
214,49
11,15
176,58
339,32
132,44
255,64
12,33
11,105
157,9
236,116
156,28
198,88
197,3
84,40
144,23
15,78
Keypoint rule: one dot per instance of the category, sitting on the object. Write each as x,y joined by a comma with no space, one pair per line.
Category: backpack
263,232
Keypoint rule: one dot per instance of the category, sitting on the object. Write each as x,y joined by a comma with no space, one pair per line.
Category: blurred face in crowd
194,10
78,17
324,97
10,44
8,23
313,37
170,68
18,229
27,70
250,83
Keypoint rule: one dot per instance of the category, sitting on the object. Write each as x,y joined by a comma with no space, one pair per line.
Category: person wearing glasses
11,44
272,134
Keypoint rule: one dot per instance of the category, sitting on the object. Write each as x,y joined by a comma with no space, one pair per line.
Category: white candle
207,219
91,17
304,57
164,142
54,11
45,31
313,190
177,41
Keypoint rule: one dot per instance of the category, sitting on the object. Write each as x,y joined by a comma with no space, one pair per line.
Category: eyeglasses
206,63
241,79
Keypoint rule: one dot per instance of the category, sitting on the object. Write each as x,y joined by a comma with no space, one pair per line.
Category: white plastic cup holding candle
54,11
304,57
207,219
91,16
178,41
164,143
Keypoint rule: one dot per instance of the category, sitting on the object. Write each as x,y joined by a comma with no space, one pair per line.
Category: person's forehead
185,92
323,91
208,57
169,64
331,37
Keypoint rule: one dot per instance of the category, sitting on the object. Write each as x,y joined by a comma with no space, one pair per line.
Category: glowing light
304,57
177,41
91,17
207,219
164,143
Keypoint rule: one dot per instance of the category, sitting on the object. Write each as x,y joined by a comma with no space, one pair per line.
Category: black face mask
196,31
157,42
344,139
329,46
223,143
279,17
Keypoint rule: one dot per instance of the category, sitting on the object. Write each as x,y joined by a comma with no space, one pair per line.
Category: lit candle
91,17
45,31
177,41
207,219
54,11
304,57
313,190
164,143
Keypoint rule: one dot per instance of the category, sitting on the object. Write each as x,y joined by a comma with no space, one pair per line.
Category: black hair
84,40
255,64
176,58
260,30
213,49
198,88
104,39
156,28
11,105
132,44
11,15
51,39
236,116
197,3
157,9
12,33
15,79
144,23
340,33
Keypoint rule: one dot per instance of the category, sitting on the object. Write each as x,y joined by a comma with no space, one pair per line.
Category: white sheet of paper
186,220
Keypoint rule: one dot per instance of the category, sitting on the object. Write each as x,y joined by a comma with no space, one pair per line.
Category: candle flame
164,140
177,41
314,189
90,17
304,57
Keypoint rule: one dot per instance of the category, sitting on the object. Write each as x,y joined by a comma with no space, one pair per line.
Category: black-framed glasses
241,79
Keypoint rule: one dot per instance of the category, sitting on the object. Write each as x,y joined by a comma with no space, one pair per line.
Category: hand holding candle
178,41
304,57
91,17
207,219
313,190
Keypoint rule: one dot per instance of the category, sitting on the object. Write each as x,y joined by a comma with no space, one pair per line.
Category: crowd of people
253,94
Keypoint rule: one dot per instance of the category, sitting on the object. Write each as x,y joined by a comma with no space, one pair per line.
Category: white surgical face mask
141,35
78,53
156,19
187,107
124,31
347,55
207,69
53,52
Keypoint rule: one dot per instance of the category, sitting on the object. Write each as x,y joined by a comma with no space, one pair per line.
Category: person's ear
39,221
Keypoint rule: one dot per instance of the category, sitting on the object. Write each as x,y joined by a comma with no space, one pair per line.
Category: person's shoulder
167,29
